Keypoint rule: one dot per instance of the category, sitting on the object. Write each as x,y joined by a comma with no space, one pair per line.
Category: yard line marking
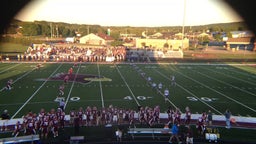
10,68
227,84
243,73
249,72
191,93
101,92
218,92
20,78
231,76
70,90
127,85
35,92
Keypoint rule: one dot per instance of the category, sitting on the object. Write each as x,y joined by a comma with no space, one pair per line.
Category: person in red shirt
187,116
70,71
66,78
200,126
17,129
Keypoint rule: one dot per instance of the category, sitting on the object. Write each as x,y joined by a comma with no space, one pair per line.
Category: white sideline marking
101,92
9,68
35,93
127,86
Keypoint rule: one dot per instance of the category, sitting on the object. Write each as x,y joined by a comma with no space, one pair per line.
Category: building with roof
96,39
247,43
172,44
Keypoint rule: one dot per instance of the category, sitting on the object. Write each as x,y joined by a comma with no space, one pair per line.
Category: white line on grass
127,86
190,93
19,78
218,92
167,99
227,84
9,68
101,92
231,76
72,86
245,72
35,92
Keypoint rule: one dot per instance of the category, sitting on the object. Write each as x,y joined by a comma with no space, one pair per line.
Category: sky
149,13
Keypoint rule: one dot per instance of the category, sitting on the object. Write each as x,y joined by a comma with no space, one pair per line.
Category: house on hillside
241,40
96,39
244,43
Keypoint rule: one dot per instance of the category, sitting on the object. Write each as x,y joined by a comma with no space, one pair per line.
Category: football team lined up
158,87
44,123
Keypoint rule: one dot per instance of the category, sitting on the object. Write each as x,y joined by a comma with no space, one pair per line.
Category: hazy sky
130,12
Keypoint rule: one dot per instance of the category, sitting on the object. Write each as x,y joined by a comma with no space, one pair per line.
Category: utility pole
57,31
51,29
183,25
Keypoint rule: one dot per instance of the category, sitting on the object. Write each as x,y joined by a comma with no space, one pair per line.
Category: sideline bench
149,132
76,139
19,139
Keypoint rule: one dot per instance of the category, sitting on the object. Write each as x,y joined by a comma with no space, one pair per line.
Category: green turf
199,86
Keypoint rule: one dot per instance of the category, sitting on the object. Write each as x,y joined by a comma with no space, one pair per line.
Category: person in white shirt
62,104
154,85
173,82
166,94
160,86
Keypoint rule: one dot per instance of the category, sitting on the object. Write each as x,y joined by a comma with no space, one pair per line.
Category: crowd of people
45,52
73,53
45,123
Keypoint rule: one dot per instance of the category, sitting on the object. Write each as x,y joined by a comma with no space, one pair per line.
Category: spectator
119,135
175,133
189,136
227,117
5,115
76,124
62,104
209,117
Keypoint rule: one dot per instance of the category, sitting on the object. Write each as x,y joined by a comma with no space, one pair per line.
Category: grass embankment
12,48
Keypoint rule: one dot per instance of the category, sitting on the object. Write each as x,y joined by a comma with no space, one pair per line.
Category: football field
200,86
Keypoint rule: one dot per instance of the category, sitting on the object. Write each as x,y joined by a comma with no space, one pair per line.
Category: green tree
30,29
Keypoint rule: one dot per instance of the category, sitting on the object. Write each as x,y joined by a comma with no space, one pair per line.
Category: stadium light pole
183,24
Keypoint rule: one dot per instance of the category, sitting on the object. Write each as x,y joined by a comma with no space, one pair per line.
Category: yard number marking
206,99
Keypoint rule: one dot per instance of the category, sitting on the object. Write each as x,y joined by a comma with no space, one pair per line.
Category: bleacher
76,139
19,139
148,133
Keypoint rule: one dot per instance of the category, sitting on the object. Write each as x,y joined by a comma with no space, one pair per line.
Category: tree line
61,29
